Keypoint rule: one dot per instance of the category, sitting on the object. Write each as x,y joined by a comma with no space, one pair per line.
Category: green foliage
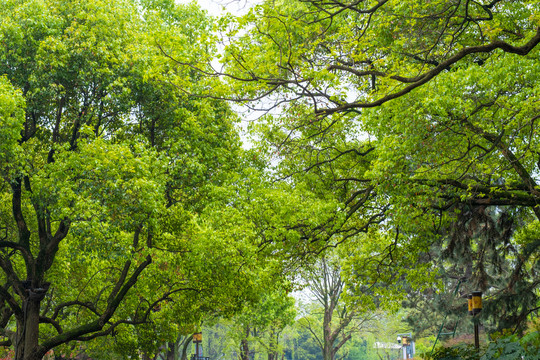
505,347
119,190
460,352
512,347
413,118
12,119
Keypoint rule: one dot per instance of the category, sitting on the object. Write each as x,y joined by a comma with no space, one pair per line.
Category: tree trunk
273,344
328,346
170,351
185,346
328,353
27,346
244,350
244,346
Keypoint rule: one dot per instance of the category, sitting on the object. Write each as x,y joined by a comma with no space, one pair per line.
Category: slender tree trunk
18,344
185,346
244,350
244,346
273,344
170,351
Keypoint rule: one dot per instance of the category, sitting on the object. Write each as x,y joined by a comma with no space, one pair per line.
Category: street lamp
407,345
475,307
197,339
476,302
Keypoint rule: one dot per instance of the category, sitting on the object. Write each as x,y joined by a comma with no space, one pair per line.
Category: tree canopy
404,133
415,117
115,184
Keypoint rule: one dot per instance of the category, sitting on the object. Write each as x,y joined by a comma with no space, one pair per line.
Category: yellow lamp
476,302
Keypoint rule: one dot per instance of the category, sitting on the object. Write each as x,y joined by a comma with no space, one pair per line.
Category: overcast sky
236,7
218,7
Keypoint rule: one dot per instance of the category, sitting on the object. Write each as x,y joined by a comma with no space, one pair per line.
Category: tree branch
424,78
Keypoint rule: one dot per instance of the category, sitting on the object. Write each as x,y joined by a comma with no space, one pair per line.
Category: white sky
235,7
218,7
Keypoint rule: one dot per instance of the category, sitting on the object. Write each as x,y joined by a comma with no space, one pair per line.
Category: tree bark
31,327
328,346
273,345
171,355
185,346
27,346
244,346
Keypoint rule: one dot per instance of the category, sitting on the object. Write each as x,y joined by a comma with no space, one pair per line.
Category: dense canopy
403,133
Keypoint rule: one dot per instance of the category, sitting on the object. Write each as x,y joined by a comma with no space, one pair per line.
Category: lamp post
475,307
405,340
197,339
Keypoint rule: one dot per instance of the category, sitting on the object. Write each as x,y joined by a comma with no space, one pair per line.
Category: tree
328,52
256,330
175,350
107,173
412,112
340,318
480,252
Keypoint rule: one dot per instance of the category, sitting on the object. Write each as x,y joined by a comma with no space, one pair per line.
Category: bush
511,347
458,352
507,347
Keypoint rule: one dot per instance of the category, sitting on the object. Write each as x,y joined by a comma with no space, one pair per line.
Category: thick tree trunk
328,353
328,346
27,346
31,327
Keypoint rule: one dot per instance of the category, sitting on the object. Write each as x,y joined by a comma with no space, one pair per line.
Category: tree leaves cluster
417,118
118,189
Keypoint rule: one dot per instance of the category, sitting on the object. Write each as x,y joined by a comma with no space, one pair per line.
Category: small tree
340,319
